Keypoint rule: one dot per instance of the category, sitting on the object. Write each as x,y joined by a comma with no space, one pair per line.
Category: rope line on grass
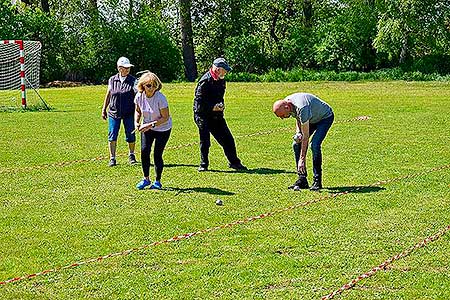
387,262
101,158
212,229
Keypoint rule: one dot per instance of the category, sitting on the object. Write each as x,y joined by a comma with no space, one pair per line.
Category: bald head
282,109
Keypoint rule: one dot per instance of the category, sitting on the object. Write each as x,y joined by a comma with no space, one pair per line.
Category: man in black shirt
208,115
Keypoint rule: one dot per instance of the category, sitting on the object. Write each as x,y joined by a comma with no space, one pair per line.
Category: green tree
410,29
344,33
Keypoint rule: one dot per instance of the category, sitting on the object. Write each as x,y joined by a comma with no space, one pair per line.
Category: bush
433,64
245,53
144,41
296,75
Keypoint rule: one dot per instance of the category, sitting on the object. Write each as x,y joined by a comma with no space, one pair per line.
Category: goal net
19,74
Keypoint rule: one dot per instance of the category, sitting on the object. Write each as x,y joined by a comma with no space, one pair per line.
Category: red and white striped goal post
20,44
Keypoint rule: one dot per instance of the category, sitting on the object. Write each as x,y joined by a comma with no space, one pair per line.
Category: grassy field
53,215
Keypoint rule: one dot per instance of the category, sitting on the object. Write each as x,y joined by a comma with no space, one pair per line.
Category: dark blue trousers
318,131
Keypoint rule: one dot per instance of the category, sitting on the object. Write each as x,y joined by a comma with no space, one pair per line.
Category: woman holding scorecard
153,109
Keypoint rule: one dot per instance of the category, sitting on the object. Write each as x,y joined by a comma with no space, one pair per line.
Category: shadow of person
259,171
354,189
179,165
208,190
268,171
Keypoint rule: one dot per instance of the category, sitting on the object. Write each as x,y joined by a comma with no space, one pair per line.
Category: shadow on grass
354,189
179,165
208,190
259,171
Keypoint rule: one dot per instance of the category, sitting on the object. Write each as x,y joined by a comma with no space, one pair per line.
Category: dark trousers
147,138
217,126
320,131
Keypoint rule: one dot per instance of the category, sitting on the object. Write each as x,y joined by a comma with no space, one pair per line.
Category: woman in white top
153,109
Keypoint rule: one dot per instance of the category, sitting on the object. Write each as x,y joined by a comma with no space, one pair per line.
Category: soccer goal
19,74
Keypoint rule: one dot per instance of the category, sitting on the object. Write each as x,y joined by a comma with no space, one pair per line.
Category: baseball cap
222,63
124,62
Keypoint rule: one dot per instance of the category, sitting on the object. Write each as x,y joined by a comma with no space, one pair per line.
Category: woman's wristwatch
153,125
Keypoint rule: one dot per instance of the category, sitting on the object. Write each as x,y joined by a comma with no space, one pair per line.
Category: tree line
82,39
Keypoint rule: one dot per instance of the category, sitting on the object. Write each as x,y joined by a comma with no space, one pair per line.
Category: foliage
411,29
144,41
85,46
246,53
345,38
33,24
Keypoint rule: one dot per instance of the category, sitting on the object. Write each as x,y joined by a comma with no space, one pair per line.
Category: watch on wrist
153,125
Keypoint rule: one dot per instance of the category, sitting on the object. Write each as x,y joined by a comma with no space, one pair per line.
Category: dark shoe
301,183
238,167
317,185
202,168
132,159
112,162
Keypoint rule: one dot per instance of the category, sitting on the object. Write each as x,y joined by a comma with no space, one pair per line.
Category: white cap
124,62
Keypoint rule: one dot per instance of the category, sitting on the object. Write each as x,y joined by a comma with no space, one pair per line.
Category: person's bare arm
137,117
304,128
106,104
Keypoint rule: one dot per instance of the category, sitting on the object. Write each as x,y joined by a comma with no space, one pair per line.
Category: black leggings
160,138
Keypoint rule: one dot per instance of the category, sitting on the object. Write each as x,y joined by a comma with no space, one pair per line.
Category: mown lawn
52,215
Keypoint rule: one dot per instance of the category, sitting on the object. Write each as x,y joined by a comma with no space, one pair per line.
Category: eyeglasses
149,85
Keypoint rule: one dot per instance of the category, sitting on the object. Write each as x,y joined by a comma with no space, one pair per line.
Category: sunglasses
149,85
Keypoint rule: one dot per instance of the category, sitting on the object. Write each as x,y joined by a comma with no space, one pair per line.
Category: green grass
56,215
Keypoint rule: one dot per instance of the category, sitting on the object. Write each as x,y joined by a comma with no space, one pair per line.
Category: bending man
314,118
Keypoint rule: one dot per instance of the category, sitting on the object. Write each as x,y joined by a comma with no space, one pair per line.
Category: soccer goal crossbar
19,72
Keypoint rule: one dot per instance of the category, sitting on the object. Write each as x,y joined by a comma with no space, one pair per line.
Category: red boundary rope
83,160
212,229
387,262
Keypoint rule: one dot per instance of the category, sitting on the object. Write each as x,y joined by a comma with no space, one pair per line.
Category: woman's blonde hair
149,78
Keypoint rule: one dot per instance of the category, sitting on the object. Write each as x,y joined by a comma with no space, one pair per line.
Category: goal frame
23,88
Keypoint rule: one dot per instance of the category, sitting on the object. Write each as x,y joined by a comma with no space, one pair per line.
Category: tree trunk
273,26
307,13
187,40
45,6
93,7
130,9
404,51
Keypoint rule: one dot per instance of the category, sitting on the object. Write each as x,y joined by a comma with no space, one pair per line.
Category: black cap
222,63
